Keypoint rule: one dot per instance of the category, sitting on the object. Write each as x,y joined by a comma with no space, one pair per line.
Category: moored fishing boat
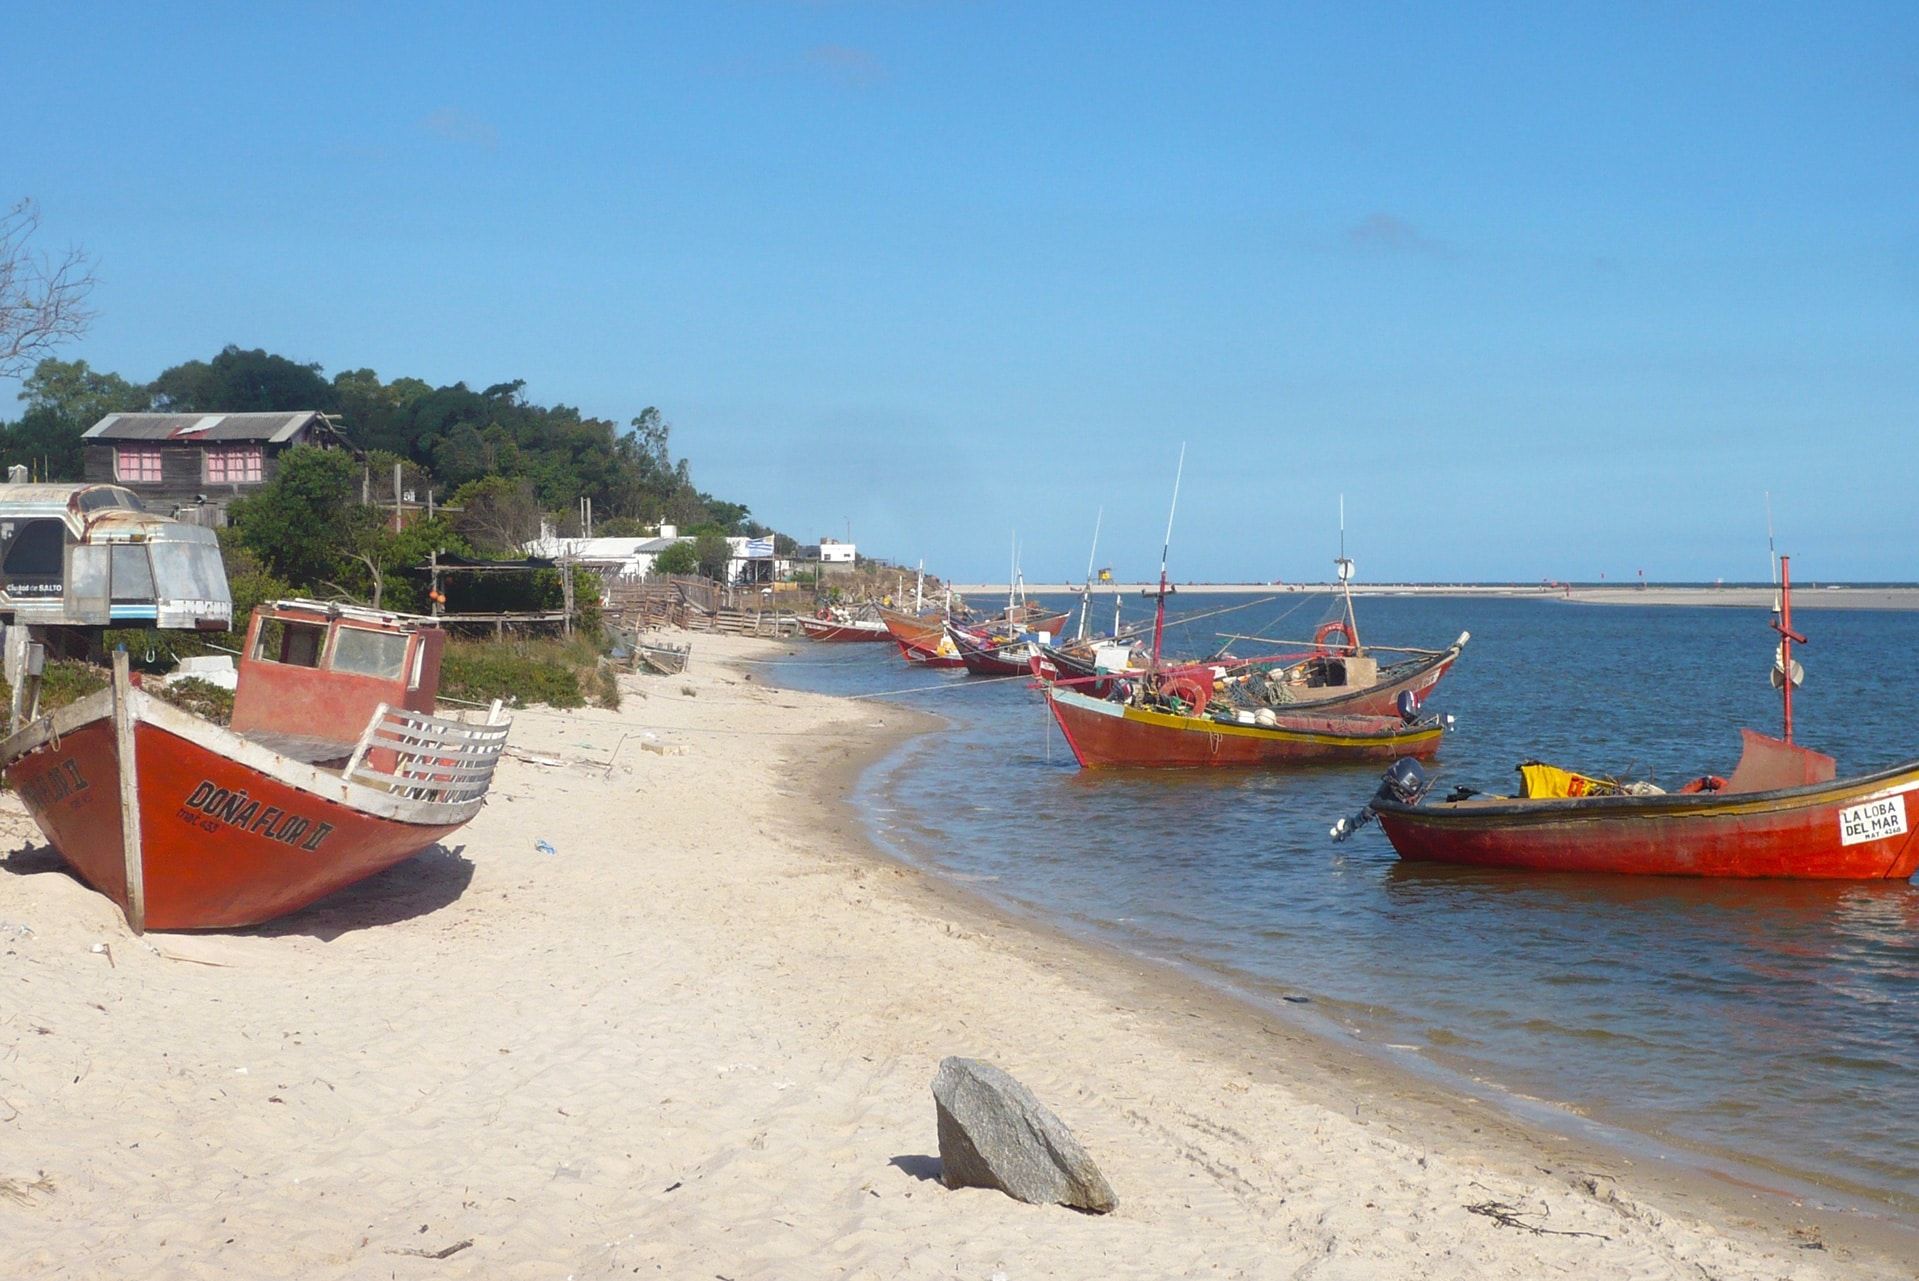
991,652
1782,813
1108,732
334,768
839,625
922,638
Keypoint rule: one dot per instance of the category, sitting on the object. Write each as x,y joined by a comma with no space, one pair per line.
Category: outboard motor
1408,706
1405,782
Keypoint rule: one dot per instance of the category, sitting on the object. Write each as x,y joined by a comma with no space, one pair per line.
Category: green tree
498,515
306,523
64,398
680,558
242,382
712,551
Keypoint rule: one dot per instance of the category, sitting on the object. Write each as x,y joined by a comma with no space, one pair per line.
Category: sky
1544,291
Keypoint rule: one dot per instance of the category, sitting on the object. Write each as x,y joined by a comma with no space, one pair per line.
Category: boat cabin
92,556
312,674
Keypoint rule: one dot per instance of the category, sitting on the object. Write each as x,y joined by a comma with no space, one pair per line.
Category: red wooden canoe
1781,814
1104,733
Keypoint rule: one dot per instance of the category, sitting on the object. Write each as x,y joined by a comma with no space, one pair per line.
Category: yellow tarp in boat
1539,781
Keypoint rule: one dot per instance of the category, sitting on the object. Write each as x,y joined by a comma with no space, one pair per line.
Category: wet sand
697,1040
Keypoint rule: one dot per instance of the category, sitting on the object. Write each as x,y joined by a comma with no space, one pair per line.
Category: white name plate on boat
1872,821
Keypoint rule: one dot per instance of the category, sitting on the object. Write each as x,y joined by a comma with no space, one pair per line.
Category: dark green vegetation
557,673
505,461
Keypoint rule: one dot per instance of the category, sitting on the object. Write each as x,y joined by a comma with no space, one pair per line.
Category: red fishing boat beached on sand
1782,813
335,768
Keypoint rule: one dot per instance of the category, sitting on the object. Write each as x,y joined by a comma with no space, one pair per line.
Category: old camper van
92,556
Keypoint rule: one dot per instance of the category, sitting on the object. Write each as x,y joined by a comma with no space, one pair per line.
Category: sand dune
697,1041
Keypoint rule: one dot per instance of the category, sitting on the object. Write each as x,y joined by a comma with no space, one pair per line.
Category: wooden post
16,667
123,742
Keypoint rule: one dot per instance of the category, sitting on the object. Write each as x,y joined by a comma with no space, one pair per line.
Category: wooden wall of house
182,472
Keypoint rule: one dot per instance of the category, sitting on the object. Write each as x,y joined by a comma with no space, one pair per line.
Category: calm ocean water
1775,1023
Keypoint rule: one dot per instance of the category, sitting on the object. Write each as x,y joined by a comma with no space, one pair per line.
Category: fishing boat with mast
1781,813
1175,715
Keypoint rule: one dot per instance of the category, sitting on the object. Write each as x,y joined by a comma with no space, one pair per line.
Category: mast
1345,568
1012,574
1783,625
1086,601
1159,613
919,590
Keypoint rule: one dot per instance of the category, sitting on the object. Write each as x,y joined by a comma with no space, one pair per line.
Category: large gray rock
995,1134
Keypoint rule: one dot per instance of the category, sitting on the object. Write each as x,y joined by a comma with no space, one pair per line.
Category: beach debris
665,749
689,691
447,1253
544,848
22,1193
14,930
99,949
1507,1216
531,759
994,1133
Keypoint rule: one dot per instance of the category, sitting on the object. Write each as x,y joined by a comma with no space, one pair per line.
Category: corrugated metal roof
270,428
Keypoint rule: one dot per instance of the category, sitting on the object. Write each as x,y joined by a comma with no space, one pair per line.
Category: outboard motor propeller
1405,782
1408,706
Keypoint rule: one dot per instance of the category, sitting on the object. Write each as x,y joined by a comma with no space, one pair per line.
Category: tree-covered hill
491,446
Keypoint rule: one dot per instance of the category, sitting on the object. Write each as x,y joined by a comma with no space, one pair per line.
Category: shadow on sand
430,880
924,1168
434,878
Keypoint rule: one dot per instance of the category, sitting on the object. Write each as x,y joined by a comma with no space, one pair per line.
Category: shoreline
698,1038
1422,1094
1809,595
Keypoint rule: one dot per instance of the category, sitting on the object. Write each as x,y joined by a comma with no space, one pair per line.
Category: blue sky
1545,291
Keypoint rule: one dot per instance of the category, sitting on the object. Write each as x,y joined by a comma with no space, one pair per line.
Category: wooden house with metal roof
195,460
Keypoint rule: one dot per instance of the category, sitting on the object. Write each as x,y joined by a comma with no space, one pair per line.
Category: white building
612,557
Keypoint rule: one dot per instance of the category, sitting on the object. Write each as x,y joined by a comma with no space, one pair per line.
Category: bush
202,698
522,672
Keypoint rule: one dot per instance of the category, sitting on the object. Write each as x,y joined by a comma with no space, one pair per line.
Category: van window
35,561
132,573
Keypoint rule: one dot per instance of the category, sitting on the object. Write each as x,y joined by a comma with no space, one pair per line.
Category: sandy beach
696,1040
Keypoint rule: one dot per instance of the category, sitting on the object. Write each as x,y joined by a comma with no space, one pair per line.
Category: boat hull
824,629
1105,734
1820,832
229,833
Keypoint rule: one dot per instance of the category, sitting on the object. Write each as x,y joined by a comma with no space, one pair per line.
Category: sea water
1772,1023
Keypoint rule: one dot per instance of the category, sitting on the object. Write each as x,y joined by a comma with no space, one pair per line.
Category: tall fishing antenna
1159,617
1772,555
1345,568
1086,601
